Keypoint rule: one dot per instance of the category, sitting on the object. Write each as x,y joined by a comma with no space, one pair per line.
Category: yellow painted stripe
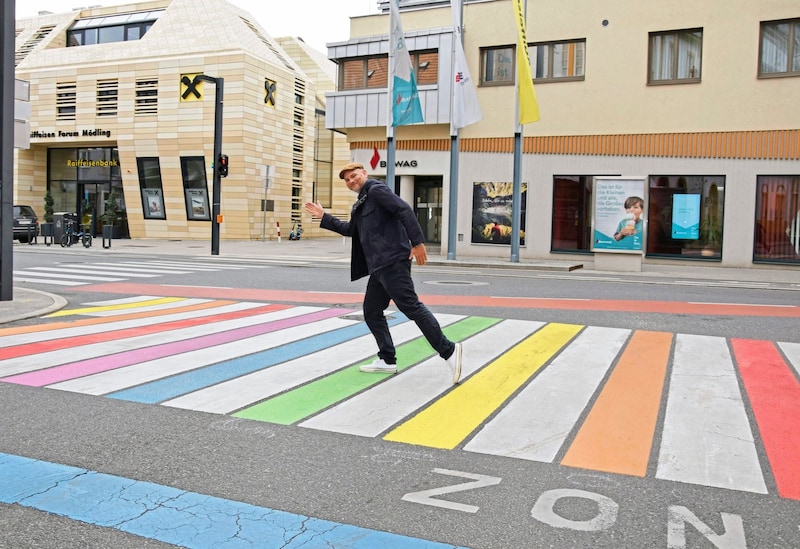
121,306
450,419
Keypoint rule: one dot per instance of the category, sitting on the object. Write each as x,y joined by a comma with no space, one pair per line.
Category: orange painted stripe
355,298
617,435
125,333
105,320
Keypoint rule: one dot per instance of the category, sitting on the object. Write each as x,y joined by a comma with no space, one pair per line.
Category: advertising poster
686,216
491,212
197,205
618,214
153,204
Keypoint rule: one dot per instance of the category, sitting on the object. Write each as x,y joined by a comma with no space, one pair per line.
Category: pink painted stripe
73,370
774,394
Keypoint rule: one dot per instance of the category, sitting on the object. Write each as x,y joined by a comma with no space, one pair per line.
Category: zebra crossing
702,410
79,274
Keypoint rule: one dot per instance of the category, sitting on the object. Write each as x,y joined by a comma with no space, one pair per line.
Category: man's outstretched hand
419,253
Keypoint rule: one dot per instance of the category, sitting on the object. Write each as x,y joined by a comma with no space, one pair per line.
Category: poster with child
618,214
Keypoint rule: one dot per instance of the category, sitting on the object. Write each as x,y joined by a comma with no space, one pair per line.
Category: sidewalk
28,303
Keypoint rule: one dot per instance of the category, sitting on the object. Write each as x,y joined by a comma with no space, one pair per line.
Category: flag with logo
528,106
406,108
466,109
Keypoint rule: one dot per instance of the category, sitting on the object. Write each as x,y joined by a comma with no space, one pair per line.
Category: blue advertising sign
686,216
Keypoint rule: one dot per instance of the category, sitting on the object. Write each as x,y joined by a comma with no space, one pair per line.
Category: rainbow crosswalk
679,407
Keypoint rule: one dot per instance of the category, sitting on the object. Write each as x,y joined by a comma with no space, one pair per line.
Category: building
118,118
690,106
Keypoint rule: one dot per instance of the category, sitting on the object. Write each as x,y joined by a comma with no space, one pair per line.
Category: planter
47,230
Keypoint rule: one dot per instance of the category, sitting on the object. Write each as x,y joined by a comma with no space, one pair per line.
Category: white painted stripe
792,352
195,266
102,269
58,275
238,393
536,422
84,352
66,333
741,304
143,268
375,410
123,300
707,438
130,376
47,281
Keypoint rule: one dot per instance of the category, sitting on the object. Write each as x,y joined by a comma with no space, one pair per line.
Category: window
107,97
113,28
779,51
66,96
146,96
558,60
777,224
373,72
572,213
685,216
323,162
675,56
497,66
195,188
151,188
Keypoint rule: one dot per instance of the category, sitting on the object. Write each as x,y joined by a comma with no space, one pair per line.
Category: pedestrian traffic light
223,165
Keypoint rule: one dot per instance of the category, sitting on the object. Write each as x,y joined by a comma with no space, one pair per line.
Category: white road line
64,276
536,422
47,281
130,376
372,412
707,438
84,352
237,393
792,352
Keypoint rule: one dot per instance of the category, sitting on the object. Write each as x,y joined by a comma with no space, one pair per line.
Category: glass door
428,207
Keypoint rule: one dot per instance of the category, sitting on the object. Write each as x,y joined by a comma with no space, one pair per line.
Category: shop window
558,60
685,216
195,188
779,49
777,223
572,213
497,66
151,188
675,56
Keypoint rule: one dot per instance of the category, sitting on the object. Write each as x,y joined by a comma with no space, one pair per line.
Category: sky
317,22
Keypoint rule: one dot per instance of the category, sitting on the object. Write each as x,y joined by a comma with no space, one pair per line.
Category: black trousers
394,283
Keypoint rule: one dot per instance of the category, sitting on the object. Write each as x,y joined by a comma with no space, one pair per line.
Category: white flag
466,109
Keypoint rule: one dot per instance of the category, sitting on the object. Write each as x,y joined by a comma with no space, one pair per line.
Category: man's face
355,179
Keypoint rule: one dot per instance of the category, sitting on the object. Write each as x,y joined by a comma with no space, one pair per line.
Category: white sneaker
455,363
379,366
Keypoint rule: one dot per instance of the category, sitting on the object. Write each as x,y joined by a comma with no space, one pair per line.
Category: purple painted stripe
73,370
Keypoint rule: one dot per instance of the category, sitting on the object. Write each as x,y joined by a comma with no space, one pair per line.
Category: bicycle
70,237
296,232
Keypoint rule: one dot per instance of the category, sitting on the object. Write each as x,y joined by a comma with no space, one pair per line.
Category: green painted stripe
307,400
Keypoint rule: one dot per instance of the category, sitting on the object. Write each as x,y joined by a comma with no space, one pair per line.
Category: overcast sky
317,22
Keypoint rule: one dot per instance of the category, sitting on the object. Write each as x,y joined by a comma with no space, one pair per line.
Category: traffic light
223,165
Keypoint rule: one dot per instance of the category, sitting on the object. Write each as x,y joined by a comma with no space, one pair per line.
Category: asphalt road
452,496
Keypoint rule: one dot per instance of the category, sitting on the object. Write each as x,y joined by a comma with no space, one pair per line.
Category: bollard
278,223
108,232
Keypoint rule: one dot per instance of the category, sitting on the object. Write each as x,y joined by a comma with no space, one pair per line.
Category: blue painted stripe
175,516
194,380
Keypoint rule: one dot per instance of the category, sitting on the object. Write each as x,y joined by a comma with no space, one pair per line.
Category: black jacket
383,228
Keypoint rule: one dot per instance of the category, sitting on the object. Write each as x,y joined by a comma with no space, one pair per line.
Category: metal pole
7,151
452,204
217,183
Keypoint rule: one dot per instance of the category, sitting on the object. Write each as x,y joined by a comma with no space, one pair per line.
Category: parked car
26,223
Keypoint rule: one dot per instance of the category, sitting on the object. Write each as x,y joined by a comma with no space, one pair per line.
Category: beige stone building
117,115
689,106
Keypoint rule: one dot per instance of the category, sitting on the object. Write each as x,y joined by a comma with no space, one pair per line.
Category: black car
26,223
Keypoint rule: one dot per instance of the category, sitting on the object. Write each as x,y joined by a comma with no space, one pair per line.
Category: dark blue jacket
383,228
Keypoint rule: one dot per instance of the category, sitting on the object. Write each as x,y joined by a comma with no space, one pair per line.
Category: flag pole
452,205
390,146
516,189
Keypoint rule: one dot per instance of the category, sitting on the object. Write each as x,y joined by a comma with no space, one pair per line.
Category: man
385,236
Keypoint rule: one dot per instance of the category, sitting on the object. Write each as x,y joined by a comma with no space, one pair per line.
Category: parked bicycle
296,232
71,236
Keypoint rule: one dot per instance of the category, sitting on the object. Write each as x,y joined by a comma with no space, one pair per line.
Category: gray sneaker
379,366
455,363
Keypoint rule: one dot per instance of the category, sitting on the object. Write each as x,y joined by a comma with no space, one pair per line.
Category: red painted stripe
774,394
351,298
100,337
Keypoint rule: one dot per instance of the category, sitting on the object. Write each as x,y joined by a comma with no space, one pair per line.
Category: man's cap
349,167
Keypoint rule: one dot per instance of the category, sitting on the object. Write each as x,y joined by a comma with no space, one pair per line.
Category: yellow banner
528,106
